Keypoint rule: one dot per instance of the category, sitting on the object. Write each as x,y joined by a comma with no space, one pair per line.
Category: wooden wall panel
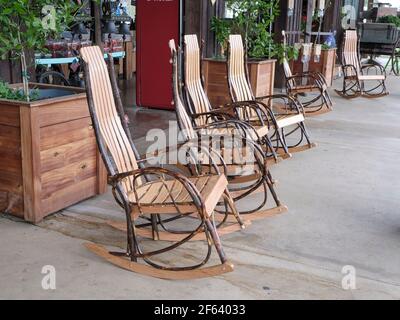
62,178
11,193
48,156
64,155
64,133
63,112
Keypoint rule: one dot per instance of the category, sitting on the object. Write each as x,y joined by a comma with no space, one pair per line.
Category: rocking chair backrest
184,121
286,68
288,73
237,76
107,123
199,102
350,50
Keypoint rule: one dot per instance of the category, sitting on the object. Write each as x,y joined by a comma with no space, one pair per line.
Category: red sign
157,21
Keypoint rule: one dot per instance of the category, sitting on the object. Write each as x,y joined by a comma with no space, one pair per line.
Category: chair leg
154,227
328,97
281,140
306,135
272,190
270,146
234,211
217,241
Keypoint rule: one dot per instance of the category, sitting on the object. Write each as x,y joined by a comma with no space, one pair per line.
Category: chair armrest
346,68
288,100
161,173
191,150
243,109
312,78
214,115
243,128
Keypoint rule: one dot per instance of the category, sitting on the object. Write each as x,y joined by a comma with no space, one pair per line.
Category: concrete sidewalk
343,198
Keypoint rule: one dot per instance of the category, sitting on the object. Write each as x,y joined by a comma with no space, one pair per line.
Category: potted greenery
49,158
253,20
26,25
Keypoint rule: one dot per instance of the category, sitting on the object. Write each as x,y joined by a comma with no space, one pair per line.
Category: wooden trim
30,144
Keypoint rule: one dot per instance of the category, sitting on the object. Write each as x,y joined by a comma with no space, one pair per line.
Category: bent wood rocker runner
151,191
278,112
200,107
307,83
244,163
356,76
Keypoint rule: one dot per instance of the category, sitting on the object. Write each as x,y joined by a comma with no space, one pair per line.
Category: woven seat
259,131
371,77
167,195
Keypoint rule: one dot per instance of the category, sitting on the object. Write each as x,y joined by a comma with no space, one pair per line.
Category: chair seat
371,77
168,195
261,132
287,120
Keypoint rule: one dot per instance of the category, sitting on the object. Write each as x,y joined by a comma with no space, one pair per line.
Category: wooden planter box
326,65
261,74
49,158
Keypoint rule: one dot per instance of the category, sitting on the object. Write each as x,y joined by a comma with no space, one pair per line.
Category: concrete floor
343,198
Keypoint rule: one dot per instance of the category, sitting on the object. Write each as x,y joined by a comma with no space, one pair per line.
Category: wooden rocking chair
278,112
356,75
236,168
151,192
298,85
200,107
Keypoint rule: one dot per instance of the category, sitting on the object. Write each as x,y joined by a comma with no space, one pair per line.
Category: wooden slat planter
326,65
261,74
49,158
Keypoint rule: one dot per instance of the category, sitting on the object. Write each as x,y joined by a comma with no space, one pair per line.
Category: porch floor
343,199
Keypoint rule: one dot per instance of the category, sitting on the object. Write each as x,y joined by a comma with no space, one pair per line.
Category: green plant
390,19
253,19
16,94
27,24
222,29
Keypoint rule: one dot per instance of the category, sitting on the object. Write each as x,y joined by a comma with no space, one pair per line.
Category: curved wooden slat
184,120
126,264
193,84
168,236
109,121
